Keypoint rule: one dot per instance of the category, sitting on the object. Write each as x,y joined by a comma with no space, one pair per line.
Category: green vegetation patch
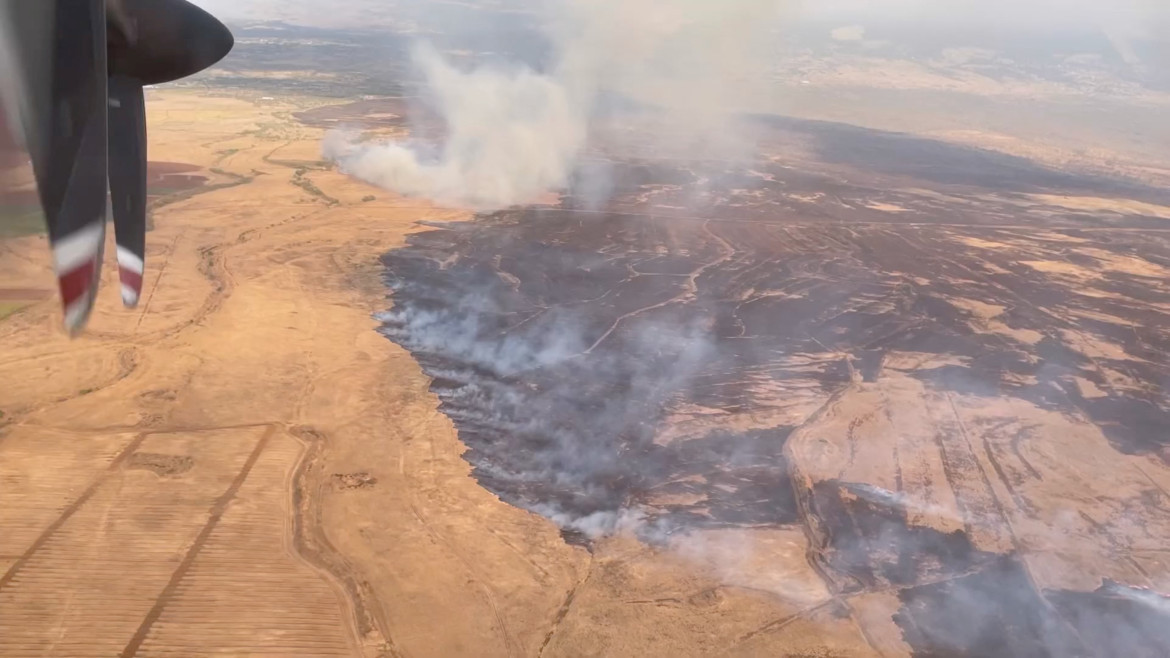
17,221
7,308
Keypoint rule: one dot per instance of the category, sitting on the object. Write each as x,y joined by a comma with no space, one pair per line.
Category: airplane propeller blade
73,71
61,44
127,112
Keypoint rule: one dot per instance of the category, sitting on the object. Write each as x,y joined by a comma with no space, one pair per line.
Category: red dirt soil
172,176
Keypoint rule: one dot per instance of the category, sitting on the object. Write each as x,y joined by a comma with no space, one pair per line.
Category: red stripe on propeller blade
129,277
76,283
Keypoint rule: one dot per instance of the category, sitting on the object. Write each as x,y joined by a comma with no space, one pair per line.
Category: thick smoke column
514,134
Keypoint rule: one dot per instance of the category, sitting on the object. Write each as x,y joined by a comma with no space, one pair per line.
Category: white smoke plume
514,134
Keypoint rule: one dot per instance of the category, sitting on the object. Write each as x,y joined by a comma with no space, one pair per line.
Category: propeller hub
156,41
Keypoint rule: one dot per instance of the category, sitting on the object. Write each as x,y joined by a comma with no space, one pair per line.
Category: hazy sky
1134,16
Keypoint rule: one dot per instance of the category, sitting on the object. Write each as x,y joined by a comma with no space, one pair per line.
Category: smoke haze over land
514,134
1025,14
517,126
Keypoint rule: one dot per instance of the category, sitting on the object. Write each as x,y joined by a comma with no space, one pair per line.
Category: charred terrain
944,366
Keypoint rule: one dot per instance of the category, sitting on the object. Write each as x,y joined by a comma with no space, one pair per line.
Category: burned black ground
599,361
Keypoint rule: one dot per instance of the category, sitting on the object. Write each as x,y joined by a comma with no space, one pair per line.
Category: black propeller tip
156,41
208,38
